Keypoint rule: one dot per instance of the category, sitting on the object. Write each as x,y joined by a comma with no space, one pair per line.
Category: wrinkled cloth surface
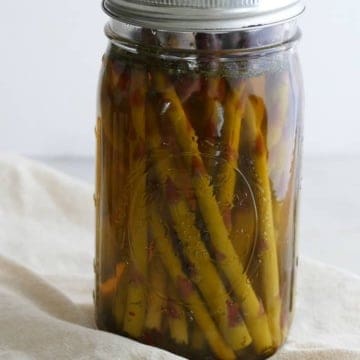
46,281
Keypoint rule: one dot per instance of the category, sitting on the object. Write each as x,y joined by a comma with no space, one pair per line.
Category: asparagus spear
156,297
114,91
287,174
167,146
210,96
136,298
119,177
110,132
119,299
281,139
109,233
269,265
184,286
99,159
98,185
204,273
243,232
234,108
212,112
227,258
177,317
106,239
198,340
119,84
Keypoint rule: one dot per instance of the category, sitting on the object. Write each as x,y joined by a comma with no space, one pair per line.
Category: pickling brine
198,157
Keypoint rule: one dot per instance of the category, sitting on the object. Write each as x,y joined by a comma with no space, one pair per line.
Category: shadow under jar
198,163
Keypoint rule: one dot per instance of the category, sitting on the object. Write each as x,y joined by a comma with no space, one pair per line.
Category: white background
50,58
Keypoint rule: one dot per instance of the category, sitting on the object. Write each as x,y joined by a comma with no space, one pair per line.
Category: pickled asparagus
156,297
204,273
163,130
234,108
226,256
134,318
185,288
178,325
267,242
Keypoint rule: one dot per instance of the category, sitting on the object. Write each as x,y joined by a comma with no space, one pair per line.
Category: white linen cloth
46,281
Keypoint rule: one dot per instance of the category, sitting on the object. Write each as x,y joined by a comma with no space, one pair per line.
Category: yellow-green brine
199,135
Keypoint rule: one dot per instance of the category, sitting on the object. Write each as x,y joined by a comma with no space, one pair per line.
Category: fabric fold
46,281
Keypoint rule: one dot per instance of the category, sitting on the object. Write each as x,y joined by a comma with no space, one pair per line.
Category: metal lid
203,15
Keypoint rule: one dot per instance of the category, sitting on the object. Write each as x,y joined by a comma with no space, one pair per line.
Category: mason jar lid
203,15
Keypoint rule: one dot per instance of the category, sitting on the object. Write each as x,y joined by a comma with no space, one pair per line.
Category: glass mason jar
198,163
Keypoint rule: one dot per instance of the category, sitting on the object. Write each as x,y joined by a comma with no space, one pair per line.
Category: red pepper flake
231,154
172,310
131,313
148,338
234,317
136,277
219,256
151,337
151,248
185,287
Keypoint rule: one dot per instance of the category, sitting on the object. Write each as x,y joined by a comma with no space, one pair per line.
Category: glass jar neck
247,40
